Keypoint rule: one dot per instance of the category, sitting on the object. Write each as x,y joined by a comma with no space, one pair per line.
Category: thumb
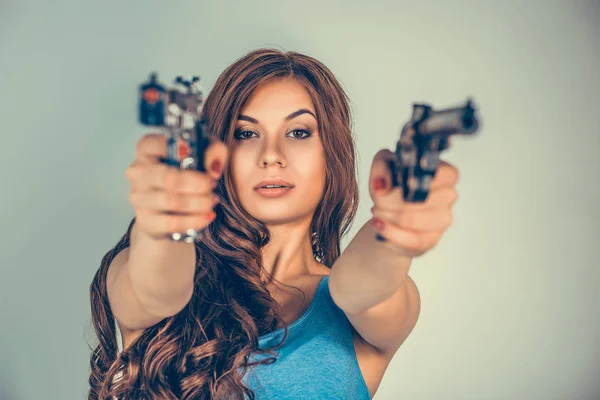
215,158
380,181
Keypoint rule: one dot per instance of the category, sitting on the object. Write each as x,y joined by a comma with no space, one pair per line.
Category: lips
270,193
275,182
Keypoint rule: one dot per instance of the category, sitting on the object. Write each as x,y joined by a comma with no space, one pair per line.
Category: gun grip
394,172
202,143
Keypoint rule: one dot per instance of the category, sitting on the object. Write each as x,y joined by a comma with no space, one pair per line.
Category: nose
267,162
271,155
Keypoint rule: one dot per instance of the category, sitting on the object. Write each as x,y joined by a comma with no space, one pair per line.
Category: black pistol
178,110
422,139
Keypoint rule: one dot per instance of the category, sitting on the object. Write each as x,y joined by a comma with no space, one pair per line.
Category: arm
150,280
370,283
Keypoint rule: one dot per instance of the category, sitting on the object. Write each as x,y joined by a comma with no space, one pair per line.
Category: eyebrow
289,117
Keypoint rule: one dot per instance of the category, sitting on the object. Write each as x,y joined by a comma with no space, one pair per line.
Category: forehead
283,95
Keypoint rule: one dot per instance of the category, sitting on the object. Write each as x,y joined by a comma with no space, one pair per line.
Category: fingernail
380,238
216,166
380,183
211,215
214,184
378,224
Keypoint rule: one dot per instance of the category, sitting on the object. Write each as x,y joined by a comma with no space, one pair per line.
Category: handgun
422,139
178,111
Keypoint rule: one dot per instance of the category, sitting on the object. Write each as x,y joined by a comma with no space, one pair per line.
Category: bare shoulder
371,362
321,270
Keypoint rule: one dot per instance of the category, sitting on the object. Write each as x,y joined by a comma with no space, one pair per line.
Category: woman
262,286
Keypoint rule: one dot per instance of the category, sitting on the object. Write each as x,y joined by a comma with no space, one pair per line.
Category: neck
288,255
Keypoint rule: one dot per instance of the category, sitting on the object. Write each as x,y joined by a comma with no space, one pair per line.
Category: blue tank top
317,359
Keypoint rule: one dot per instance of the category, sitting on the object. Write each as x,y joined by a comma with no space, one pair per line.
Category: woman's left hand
411,228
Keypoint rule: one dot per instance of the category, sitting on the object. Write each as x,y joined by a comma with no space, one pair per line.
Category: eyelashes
239,134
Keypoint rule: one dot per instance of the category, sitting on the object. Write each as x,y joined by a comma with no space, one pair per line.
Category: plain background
510,304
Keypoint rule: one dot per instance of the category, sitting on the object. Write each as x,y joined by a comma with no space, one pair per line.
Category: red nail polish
380,183
216,166
378,224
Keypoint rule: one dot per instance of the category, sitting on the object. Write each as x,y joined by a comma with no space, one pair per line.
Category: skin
272,147
383,303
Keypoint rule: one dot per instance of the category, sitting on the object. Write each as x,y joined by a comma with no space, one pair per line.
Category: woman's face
277,136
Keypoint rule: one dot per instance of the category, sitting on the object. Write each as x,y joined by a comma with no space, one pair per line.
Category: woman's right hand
167,199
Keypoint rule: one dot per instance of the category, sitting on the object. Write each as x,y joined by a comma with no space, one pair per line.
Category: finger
395,236
419,221
151,148
381,175
446,175
163,201
444,197
160,224
216,157
410,242
164,177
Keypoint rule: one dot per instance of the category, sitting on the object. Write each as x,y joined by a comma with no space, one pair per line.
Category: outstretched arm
370,281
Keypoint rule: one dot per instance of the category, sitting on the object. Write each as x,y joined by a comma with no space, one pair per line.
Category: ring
189,236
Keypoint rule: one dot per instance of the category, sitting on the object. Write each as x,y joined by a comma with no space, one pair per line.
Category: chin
274,217
279,215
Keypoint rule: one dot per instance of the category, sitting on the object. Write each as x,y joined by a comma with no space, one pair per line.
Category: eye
308,134
240,135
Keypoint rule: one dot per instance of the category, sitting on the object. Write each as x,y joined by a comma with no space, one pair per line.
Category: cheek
317,173
238,170
321,162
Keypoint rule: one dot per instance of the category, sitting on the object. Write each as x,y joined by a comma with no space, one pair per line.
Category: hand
167,199
411,228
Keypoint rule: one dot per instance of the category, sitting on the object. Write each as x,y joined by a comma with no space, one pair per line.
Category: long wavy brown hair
204,351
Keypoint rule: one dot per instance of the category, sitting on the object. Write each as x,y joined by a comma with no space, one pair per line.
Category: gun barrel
450,121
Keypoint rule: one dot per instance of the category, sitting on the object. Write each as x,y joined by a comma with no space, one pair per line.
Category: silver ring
189,236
